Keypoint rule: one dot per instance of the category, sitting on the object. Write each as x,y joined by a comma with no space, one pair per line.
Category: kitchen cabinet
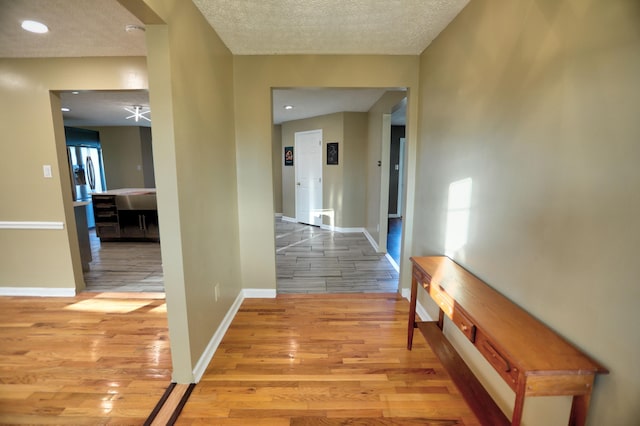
106,217
139,224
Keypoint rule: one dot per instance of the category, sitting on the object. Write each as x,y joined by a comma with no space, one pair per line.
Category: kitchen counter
128,191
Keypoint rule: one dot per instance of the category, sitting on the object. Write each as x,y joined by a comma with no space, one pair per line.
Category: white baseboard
289,219
278,214
37,291
393,263
259,293
339,229
371,240
209,352
420,310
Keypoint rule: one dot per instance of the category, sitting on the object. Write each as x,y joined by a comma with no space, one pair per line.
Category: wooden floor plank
325,360
91,359
104,359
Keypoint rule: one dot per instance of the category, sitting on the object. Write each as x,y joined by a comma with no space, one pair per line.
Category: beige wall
122,156
191,90
278,161
33,135
350,200
254,77
536,102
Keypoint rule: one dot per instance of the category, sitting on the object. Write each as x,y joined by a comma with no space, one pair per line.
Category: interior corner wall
536,102
191,90
374,225
26,90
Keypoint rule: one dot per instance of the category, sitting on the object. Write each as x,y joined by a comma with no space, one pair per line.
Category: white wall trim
278,214
37,291
259,293
31,225
210,350
393,263
371,240
289,219
420,310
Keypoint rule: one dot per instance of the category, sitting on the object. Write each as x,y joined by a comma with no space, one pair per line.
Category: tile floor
308,260
314,260
124,266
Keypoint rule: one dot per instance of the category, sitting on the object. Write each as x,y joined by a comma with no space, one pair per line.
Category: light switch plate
46,170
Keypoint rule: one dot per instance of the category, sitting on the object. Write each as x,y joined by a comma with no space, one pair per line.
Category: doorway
308,177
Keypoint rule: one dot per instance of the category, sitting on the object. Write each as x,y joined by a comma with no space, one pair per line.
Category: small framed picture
332,153
288,156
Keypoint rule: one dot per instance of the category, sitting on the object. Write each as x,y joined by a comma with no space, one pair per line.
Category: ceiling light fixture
288,107
137,113
34,27
65,109
133,28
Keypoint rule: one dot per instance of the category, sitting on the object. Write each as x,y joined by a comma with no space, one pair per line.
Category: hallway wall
254,128
45,258
536,103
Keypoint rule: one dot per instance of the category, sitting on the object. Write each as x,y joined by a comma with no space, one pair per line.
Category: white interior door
308,171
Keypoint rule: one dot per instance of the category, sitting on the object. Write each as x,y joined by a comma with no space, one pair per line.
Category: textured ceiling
97,28
76,28
387,27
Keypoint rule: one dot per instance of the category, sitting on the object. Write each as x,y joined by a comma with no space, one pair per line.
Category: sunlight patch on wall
458,211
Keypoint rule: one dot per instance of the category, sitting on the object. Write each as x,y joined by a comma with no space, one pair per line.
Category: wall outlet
216,291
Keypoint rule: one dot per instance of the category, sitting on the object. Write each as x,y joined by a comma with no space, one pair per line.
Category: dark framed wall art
288,156
332,153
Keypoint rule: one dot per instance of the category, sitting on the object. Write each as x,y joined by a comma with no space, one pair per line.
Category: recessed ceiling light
75,92
65,109
288,107
34,27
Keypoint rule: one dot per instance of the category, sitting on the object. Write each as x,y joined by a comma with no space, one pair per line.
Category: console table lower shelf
479,400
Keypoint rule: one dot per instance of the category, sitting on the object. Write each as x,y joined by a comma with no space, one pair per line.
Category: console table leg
518,406
412,311
579,409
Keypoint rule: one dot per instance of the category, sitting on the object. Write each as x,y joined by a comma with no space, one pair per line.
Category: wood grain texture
88,360
320,360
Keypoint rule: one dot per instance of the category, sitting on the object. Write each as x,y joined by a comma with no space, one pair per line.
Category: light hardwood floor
324,360
93,359
294,360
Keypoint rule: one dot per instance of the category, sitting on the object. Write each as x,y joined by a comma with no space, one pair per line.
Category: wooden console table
530,357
